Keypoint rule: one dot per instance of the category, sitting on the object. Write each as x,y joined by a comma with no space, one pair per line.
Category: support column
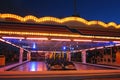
69,56
118,57
83,56
28,56
21,55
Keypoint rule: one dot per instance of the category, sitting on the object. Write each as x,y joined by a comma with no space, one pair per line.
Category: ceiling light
102,41
61,39
80,40
13,37
37,38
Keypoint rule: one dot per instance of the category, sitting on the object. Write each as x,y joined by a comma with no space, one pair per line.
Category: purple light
34,45
64,48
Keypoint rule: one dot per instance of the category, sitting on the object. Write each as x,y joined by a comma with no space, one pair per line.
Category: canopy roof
50,33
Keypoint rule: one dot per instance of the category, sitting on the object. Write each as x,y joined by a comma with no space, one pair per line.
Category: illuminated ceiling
57,45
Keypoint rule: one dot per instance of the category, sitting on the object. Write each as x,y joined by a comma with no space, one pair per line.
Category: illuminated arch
29,17
11,16
57,20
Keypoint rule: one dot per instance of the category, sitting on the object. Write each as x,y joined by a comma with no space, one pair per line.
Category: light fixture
13,38
34,46
102,41
117,45
109,46
99,47
116,41
72,48
60,39
12,44
26,46
81,40
57,20
37,38
91,48
2,40
58,35
64,47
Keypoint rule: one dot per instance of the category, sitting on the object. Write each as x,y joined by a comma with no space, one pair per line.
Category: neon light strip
117,45
99,47
116,41
104,37
79,40
26,46
61,39
12,44
102,41
91,48
13,37
2,40
37,34
57,35
37,38
109,46
57,20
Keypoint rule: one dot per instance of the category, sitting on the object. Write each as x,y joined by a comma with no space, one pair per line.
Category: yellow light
102,24
104,37
43,19
118,26
102,41
56,35
92,22
11,16
30,17
74,19
57,20
37,34
112,24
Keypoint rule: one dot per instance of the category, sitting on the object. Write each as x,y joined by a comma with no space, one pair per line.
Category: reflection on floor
80,66
41,66
31,66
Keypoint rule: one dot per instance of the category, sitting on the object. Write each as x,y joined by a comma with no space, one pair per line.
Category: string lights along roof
69,31
59,21
104,33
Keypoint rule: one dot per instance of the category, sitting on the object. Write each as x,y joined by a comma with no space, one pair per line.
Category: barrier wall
106,55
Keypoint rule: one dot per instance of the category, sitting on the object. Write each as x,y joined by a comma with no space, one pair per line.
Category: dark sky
104,10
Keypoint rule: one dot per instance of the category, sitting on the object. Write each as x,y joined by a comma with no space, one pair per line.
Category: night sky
103,10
